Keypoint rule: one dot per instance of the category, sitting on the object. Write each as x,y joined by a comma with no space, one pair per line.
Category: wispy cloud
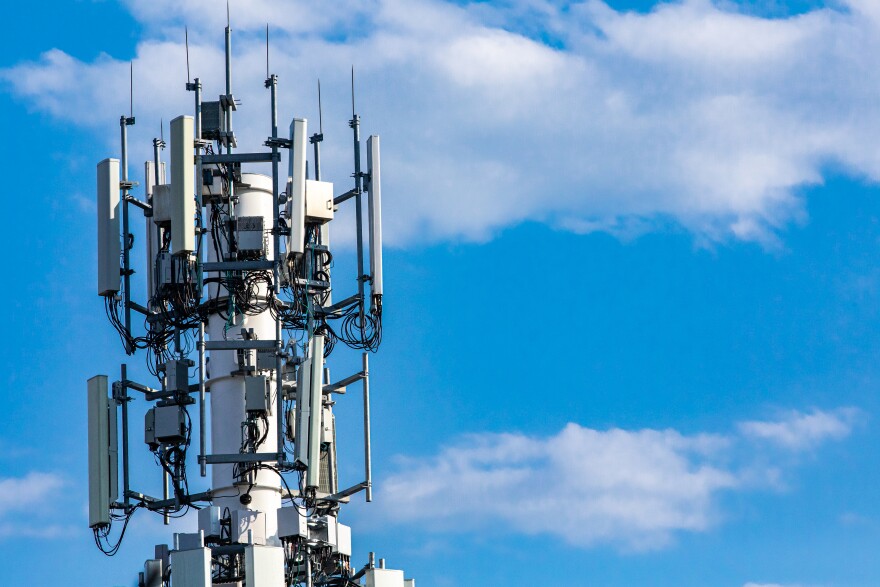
572,114
27,507
633,489
23,493
799,431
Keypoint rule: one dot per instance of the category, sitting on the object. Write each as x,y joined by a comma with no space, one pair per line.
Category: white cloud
692,112
27,507
23,493
798,431
632,489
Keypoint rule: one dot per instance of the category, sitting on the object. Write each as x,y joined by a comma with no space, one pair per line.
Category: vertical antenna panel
316,389
183,204
303,414
113,449
108,227
150,229
99,452
296,186
375,213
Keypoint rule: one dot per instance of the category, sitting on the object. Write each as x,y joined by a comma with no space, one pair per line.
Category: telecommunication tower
238,323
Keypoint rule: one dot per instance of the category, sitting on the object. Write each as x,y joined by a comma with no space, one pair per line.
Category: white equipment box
264,566
209,521
244,521
319,201
191,568
384,578
292,522
162,204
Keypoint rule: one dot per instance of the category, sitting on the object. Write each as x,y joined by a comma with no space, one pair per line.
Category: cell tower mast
238,325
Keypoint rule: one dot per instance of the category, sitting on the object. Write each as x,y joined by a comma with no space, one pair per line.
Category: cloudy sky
632,291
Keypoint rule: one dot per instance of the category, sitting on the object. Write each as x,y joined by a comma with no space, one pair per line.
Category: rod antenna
186,42
320,111
267,50
352,91
131,89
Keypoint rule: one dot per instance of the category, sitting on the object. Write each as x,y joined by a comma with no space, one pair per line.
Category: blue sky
631,301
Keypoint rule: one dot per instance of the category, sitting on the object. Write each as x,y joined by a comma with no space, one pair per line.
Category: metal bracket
280,143
254,457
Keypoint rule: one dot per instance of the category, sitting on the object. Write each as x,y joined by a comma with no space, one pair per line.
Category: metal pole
203,443
165,519
317,144
368,459
197,88
124,399
228,83
272,84
126,273
355,125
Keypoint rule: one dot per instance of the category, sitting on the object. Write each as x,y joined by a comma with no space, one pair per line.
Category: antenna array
238,271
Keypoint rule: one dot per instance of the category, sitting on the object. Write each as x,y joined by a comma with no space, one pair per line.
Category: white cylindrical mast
227,390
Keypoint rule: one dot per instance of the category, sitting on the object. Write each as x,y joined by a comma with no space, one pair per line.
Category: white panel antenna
375,216
296,186
108,227
303,414
316,390
183,206
309,400
153,243
99,452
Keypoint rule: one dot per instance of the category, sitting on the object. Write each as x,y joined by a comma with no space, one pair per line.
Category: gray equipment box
162,205
153,573
170,424
250,234
265,359
213,121
177,375
255,396
150,427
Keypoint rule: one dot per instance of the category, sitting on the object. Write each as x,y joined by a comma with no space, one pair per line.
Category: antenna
352,91
320,111
131,89
186,41
267,50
